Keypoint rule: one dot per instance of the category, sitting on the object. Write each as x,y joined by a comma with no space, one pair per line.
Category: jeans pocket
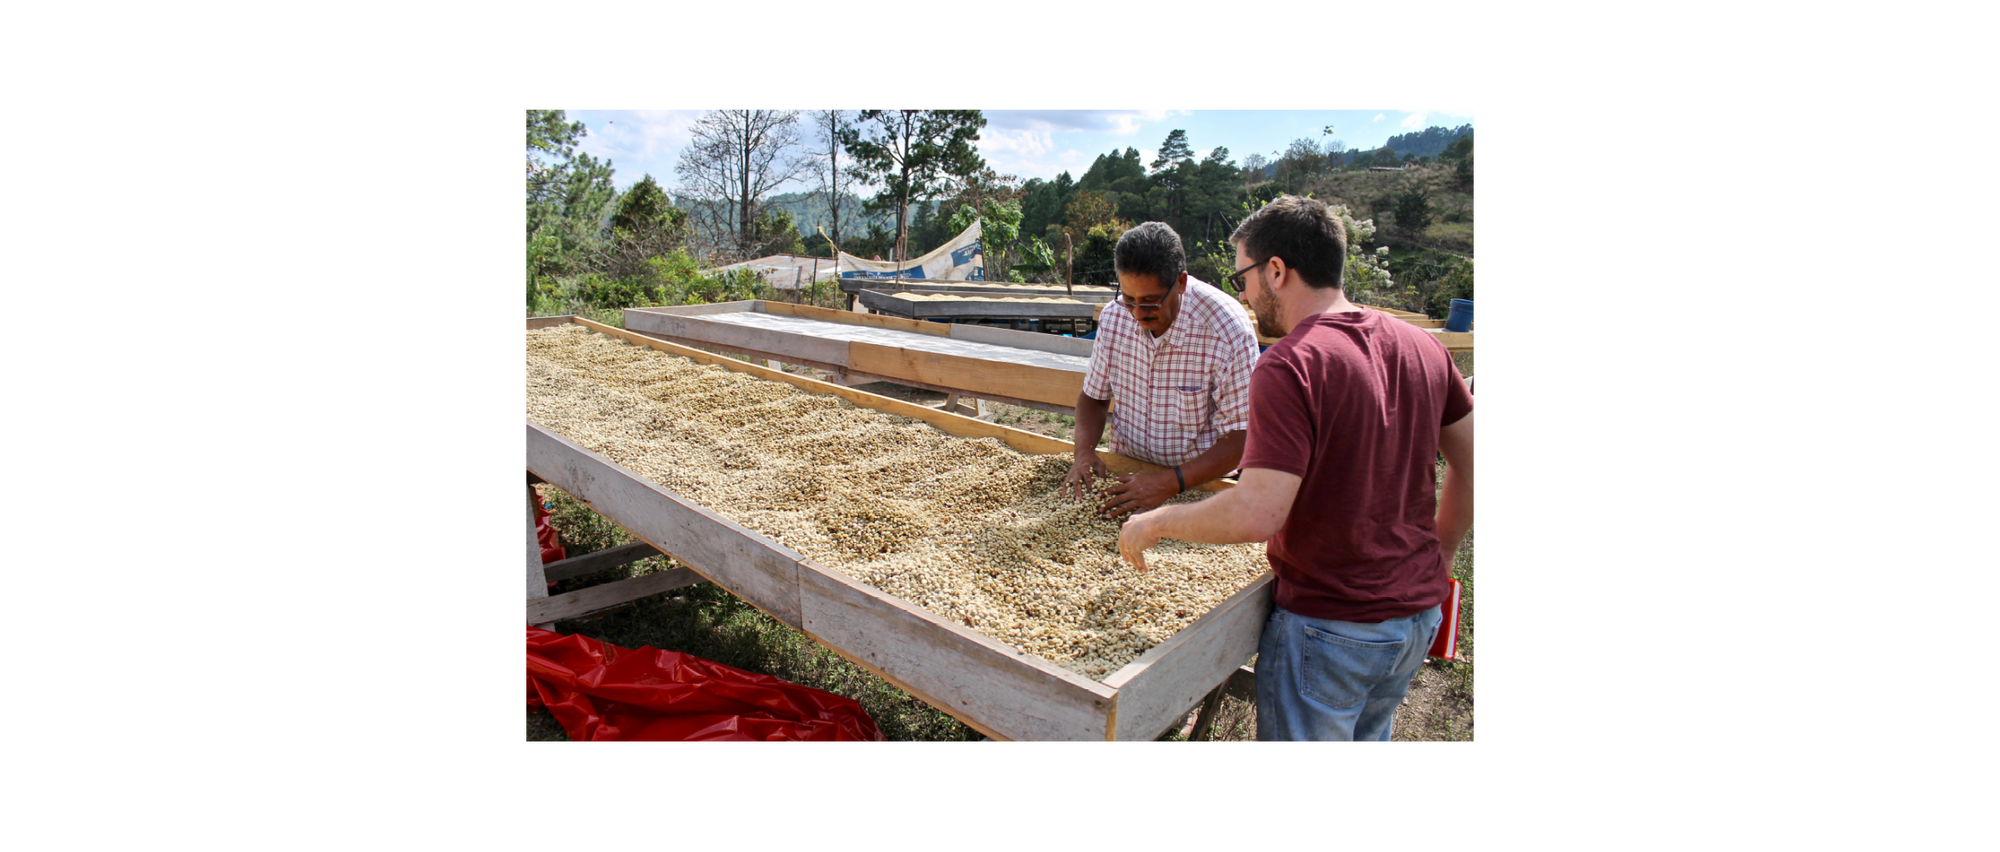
1339,672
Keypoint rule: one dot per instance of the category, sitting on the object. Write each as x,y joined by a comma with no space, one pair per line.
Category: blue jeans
1337,680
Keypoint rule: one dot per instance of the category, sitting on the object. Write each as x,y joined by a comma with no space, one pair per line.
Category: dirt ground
1439,705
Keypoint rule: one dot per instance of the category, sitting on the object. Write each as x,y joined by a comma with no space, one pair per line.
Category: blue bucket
1461,316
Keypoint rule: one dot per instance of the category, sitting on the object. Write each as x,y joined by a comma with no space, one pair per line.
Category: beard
1264,306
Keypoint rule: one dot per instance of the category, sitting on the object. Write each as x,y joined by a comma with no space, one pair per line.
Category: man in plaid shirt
1175,354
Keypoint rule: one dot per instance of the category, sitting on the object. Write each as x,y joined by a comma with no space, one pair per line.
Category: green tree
1413,211
999,228
1213,194
1457,151
569,193
1173,152
644,225
914,155
773,232
1302,161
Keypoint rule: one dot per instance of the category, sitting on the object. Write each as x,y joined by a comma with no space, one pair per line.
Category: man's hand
1136,537
1139,492
1081,471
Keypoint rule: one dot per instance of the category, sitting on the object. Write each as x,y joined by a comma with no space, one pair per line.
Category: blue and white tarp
962,258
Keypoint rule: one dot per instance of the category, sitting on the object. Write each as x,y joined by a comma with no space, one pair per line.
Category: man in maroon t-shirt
1347,414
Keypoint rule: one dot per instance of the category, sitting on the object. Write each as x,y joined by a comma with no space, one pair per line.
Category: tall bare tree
1253,168
738,157
827,124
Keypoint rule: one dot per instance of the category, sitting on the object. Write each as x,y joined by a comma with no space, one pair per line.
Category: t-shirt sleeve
1232,378
1457,398
1280,428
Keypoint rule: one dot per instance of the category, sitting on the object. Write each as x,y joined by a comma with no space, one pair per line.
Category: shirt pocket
1186,405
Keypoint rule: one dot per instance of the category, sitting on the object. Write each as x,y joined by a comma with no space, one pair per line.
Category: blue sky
1043,143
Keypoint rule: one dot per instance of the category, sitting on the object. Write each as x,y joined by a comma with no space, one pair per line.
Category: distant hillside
1428,142
810,212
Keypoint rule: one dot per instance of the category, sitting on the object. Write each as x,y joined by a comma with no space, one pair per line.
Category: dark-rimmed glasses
1148,303
1236,280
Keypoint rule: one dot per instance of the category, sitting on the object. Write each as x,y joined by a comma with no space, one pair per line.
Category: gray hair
1151,249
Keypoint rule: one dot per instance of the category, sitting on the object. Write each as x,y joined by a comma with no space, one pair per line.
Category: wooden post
537,587
1069,264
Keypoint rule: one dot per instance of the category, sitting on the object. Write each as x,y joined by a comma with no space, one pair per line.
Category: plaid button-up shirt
1176,394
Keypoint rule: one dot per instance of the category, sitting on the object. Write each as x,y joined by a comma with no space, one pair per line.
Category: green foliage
772,232
569,194
1455,284
645,206
1413,211
913,154
1430,141
999,228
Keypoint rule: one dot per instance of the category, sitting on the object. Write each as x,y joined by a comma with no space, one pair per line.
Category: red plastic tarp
552,549
600,691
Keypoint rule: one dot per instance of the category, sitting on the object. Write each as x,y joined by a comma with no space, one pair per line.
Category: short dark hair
1306,233
1151,249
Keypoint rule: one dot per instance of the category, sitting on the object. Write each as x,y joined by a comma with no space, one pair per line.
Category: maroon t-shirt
1352,403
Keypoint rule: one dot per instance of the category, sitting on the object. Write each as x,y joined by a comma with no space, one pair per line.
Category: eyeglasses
1236,280
1148,303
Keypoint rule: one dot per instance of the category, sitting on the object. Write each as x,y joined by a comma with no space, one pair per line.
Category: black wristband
1179,478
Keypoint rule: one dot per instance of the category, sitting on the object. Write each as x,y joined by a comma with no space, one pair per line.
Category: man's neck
1312,301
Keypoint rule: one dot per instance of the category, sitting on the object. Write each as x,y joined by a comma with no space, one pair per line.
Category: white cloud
1419,117
1378,117
1088,121
1017,143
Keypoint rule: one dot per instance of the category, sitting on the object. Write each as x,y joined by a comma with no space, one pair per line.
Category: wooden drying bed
999,690
1042,371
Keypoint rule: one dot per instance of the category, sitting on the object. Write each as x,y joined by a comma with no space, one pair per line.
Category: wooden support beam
537,586
606,595
591,563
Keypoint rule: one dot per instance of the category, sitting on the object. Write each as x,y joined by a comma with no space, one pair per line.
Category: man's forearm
1225,518
1215,462
1090,416
1454,517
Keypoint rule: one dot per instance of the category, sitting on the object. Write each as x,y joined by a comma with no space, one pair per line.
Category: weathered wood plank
1242,685
574,603
999,690
545,322
1159,687
1021,339
853,318
976,375
996,307
538,587
699,310
747,339
591,563
1394,312
758,354
851,378
750,566
1454,341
